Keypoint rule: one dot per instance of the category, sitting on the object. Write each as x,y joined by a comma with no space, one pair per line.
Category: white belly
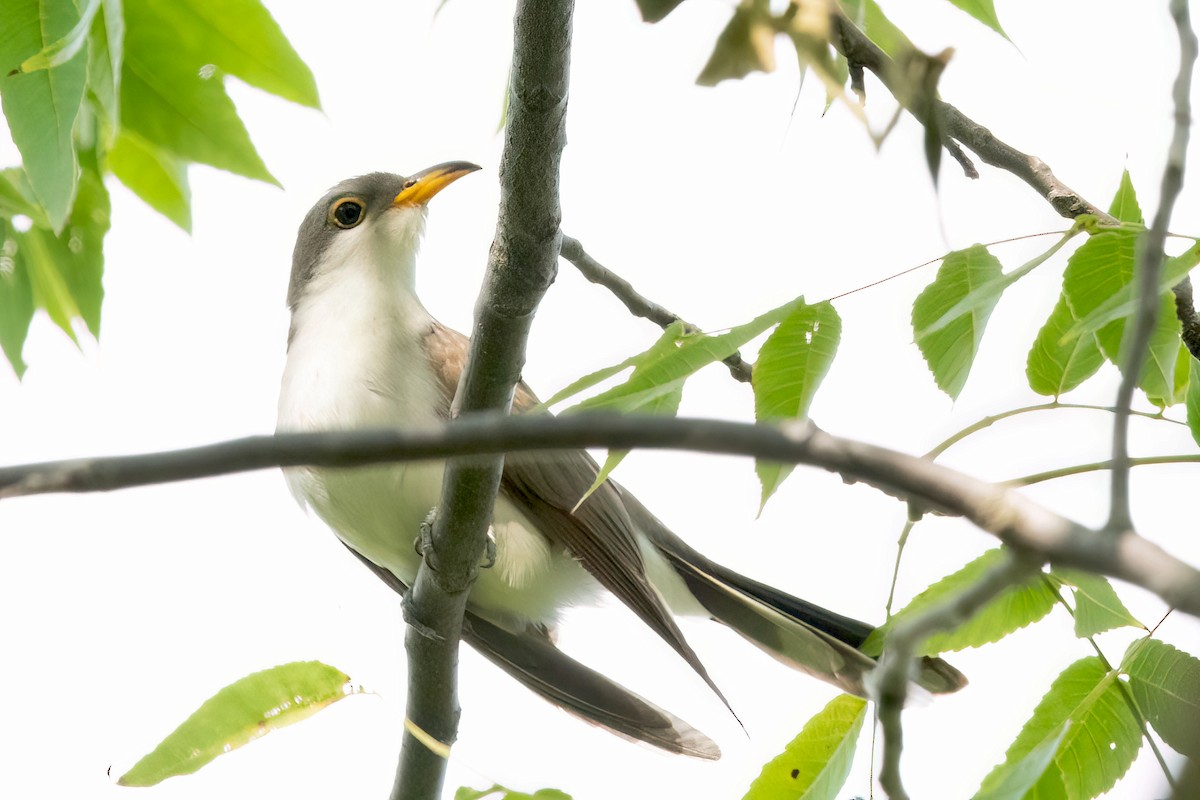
350,379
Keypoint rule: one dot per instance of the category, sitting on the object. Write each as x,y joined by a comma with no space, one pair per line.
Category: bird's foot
423,544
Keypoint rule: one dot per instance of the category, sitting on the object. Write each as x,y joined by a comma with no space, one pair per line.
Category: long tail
798,633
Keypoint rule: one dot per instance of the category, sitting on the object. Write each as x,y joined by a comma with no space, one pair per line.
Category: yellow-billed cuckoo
363,352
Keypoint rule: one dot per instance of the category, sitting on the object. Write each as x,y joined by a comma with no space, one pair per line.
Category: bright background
123,612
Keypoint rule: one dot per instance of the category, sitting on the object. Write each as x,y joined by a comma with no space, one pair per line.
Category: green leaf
1165,683
177,103
984,11
16,298
814,766
869,17
951,350
1098,270
1121,304
1013,780
655,10
159,178
986,294
59,52
239,37
1012,609
501,793
1097,606
241,712
672,334
105,55
746,45
661,368
16,197
41,106
1099,745
65,270
1057,363
1193,399
791,365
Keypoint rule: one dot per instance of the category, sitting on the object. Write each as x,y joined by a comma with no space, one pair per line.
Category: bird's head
373,220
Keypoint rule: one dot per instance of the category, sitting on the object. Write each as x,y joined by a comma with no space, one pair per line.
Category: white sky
123,612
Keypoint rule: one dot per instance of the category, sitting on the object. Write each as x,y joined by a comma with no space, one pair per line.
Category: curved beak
422,186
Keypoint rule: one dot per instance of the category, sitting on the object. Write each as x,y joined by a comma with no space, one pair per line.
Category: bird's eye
346,213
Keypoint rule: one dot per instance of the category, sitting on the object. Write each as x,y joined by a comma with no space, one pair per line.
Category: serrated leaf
746,45
177,103
951,350
1097,606
1012,781
240,713
1098,270
239,37
16,299
655,10
1011,610
159,178
984,11
1193,399
672,364
1165,683
791,365
41,106
814,766
1057,364
1098,747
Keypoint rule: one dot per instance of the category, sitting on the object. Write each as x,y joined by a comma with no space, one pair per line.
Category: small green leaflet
498,792
16,298
1165,683
1097,606
814,766
1012,610
1013,780
791,365
1100,743
1193,399
951,350
241,712
159,178
984,11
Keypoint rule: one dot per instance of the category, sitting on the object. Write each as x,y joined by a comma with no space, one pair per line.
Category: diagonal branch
638,304
521,266
1005,513
1150,261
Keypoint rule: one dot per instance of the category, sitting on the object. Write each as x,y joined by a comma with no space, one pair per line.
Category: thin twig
638,304
1149,265
1099,466
891,677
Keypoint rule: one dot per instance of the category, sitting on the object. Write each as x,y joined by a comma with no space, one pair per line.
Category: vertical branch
1149,265
521,266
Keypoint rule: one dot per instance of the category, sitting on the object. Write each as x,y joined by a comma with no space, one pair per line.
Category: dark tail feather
537,663
798,633
534,661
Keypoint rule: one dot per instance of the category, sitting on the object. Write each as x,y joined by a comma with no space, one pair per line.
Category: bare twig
890,679
1013,518
521,266
638,304
1149,265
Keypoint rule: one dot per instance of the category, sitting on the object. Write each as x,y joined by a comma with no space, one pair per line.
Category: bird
363,352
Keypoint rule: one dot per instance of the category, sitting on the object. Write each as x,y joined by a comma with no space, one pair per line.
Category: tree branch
521,266
1149,265
999,510
638,304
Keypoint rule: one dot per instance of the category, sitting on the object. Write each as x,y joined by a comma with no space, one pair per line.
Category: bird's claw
489,550
423,544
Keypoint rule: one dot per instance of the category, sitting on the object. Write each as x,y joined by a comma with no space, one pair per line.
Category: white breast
357,360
